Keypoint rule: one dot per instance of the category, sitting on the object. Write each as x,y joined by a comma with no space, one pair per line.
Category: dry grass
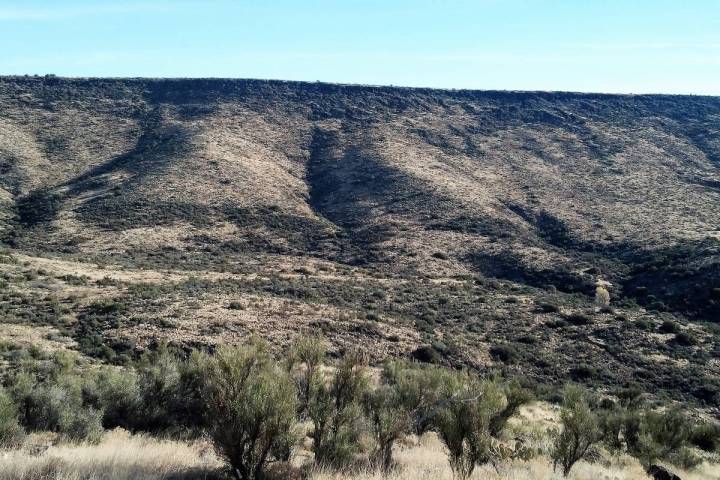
427,461
119,456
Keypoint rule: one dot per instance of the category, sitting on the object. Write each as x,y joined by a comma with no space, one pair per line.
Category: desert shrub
579,430
117,394
426,354
504,353
684,458
463,422
578,319
84,424
309,352
668,326
630,396
252,406
583,372
158,387
516,396
388,419
706,436
11,433
420,389
107,307
548,308
56,404
170,392
685,339
643,324
671,429
610,424
528,339
559,323
620,423
336,413
602,297
661,435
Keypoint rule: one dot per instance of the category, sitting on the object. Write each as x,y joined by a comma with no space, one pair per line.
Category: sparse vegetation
146,223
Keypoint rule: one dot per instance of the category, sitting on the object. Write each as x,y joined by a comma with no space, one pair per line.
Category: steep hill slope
403,216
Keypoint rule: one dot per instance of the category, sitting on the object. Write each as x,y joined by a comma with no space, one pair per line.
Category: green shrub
336,414
643,324
548,308
671,429
516,396
610,424
503,353
463,422
583,372
668,326
389,420
579,430
11,433
82,425
684,458
252,406
420,389
661,435
706,436
56,405
579,319
158,381
117,394
309,352
685,339
426,354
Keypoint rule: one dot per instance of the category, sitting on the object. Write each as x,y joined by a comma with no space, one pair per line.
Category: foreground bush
463,422
251,405
579,430
11,432
57,404
336,413
420,389
309,353
389,421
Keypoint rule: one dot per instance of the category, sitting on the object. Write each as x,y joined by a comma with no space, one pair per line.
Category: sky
619,46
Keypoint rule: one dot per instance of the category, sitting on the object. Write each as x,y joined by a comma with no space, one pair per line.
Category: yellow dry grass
119,456
427,461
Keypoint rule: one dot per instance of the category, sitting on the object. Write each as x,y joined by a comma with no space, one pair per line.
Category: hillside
474,222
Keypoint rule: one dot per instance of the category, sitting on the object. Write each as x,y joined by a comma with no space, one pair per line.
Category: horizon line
353,85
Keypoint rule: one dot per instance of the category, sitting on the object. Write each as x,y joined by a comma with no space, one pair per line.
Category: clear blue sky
670,46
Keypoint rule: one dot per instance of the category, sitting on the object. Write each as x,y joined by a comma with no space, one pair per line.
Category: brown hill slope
402,206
